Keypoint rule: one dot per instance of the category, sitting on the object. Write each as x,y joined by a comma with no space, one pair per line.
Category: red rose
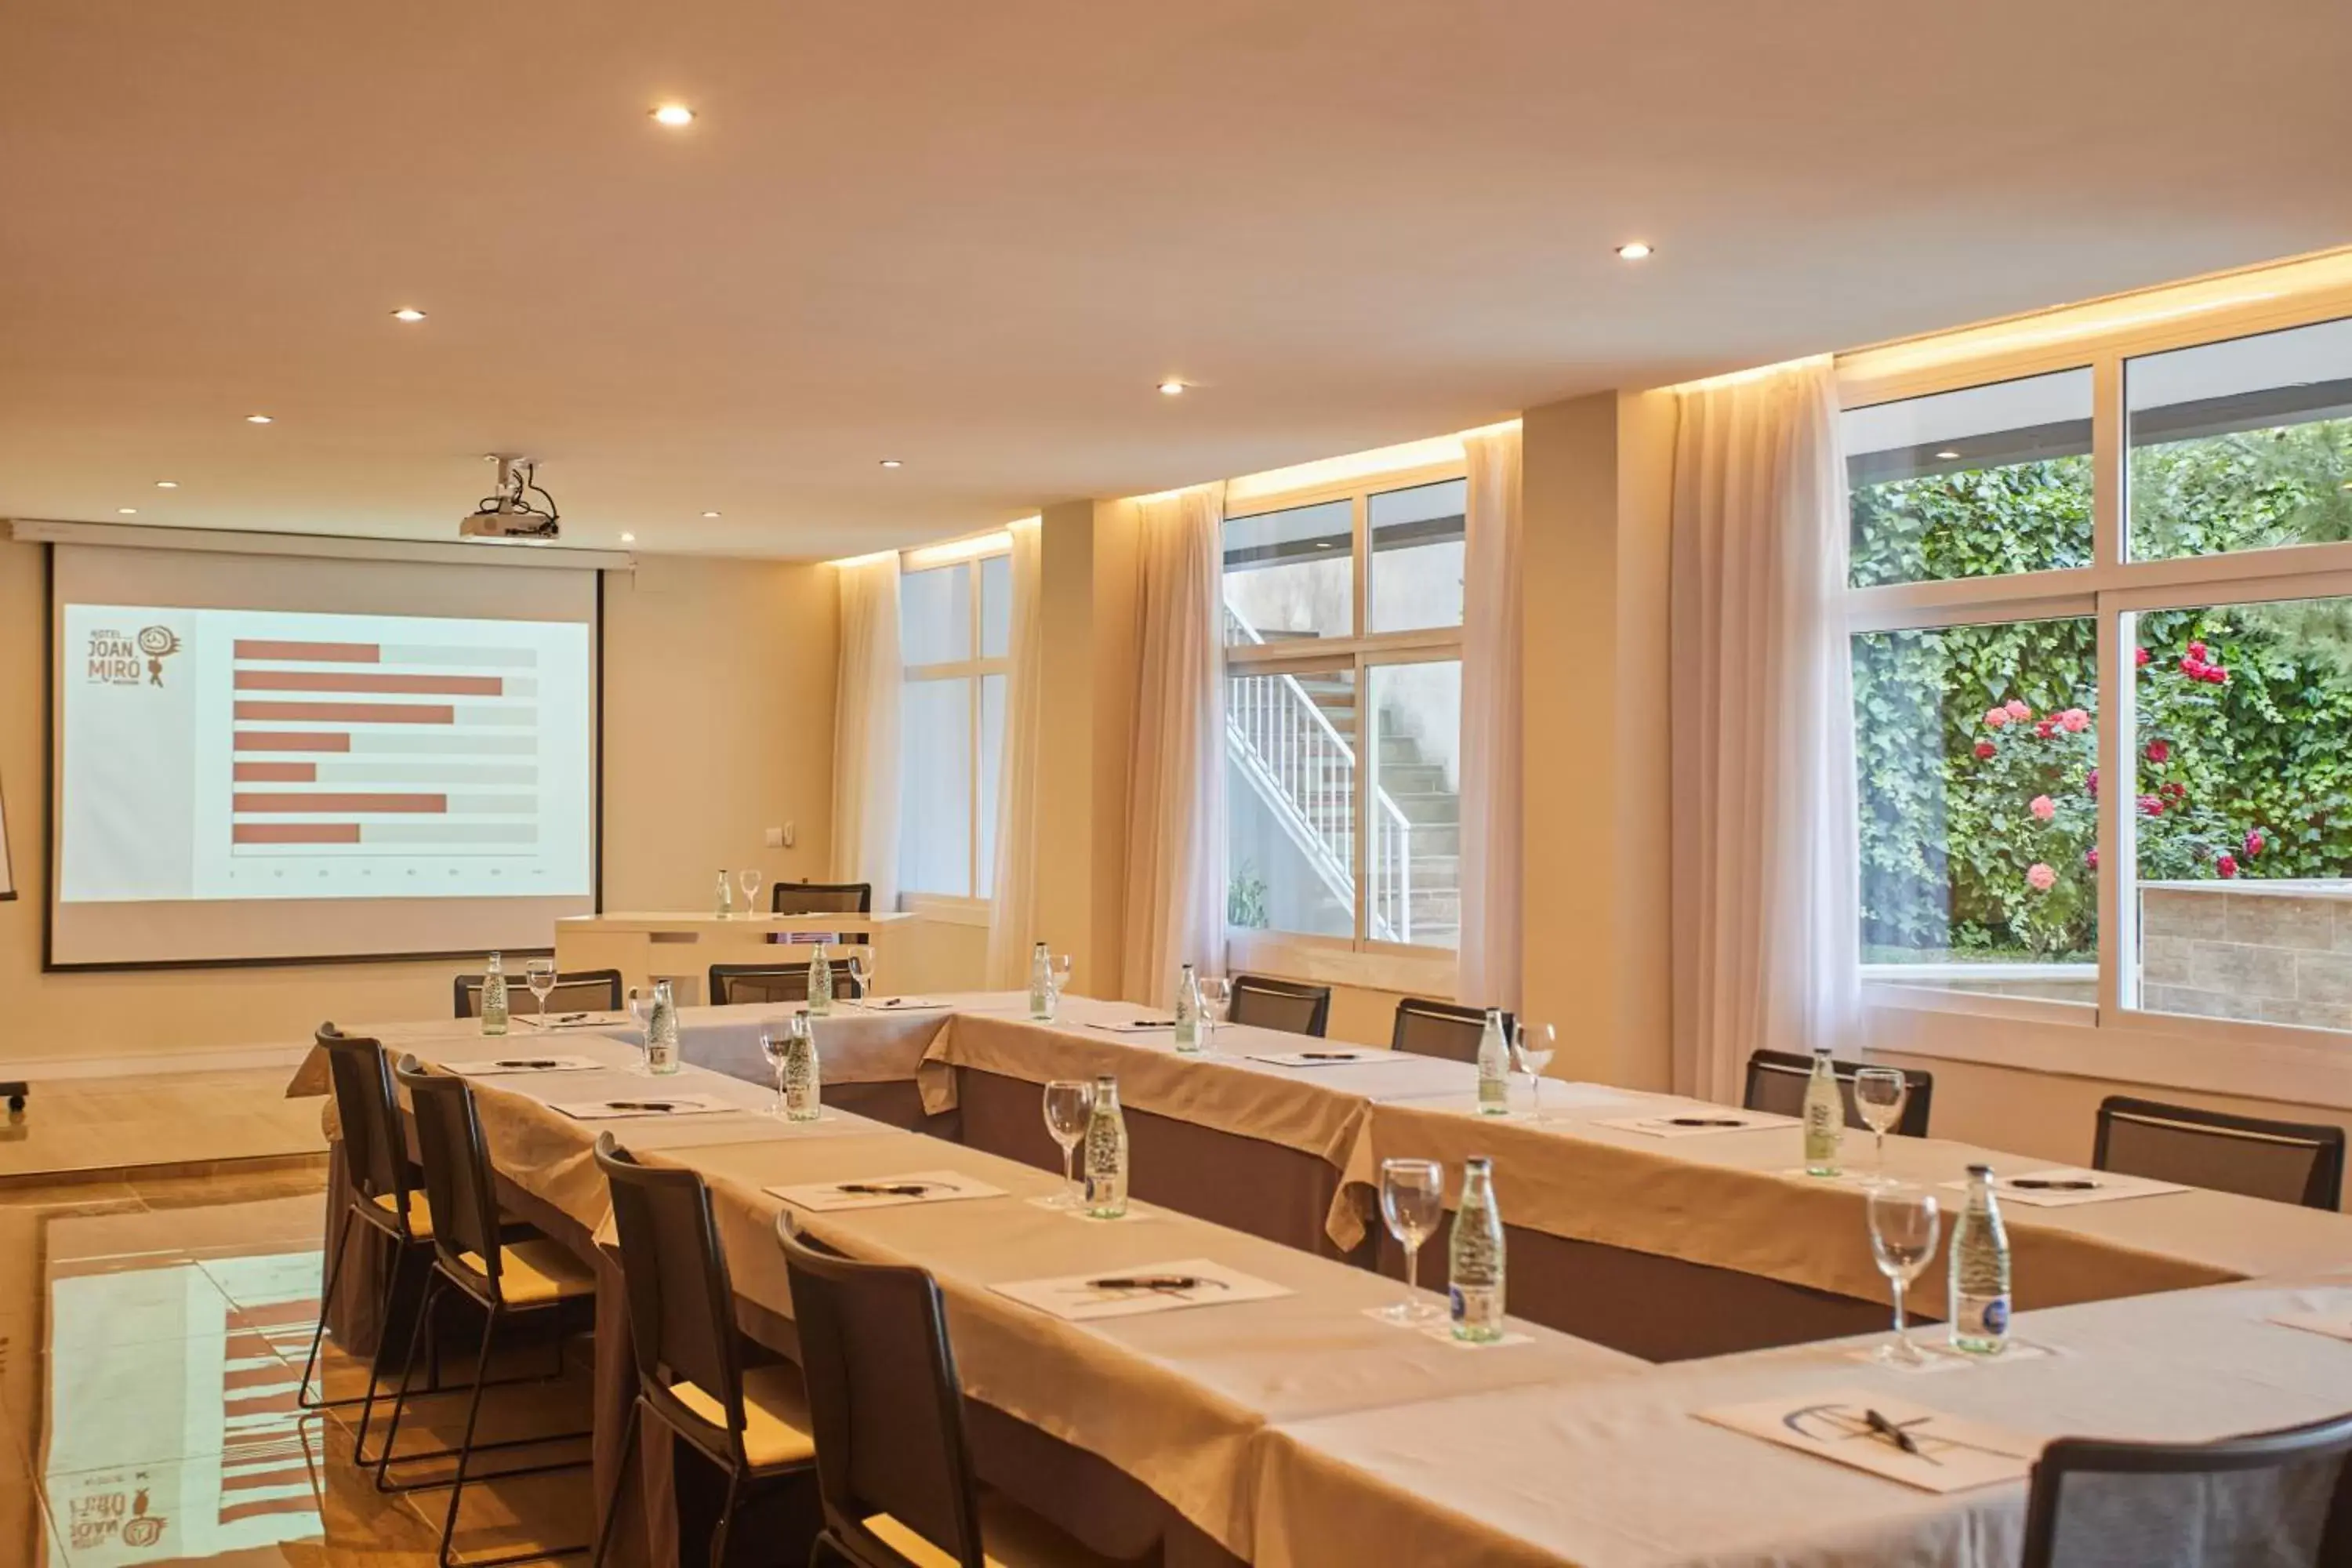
2173,790
2255,843
2194,668
2159,750
2091,784
2152,805
2045,728
2090,857
2227,865
2197,651
2142,656
2215,675
1985,750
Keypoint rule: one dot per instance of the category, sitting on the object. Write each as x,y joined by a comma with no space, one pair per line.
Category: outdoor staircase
1296,740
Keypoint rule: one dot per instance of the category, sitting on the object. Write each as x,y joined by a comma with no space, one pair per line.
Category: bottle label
1981,1318
1477,1309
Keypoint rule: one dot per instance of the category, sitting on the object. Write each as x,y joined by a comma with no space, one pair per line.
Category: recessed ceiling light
259,419
1633,250
892,463
710,514
167,484
628,539
1172,388
128,511
673,115
1945,456
1323,545
408,313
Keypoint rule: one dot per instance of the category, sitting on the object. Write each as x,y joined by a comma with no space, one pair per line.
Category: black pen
519,1065
639,1105
884,1189
1147,1282
1327,1056
2053,1183
1896,1435
1705,1122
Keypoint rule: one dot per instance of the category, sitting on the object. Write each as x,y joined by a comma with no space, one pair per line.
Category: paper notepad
1136,1025
903,1004
650,1105
504,1066
1953,1454
1316,1058
884,1192
2336,1325
569,1021
1134,1289
2066,1186
1698,1123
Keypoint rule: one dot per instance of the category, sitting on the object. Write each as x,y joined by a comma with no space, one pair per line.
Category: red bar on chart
309,652
292,740
276,773
294,833
350,680
340,803
352,712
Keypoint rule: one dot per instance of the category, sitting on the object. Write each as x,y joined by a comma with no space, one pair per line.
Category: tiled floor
151,1333
186,1120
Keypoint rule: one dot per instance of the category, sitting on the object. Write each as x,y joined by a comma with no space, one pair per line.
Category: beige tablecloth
1618,1473
1740,1201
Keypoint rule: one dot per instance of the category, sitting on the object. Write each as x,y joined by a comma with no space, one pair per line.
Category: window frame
2113,1037
975,669
1360,958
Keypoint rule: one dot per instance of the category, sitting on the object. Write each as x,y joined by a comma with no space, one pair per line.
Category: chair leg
466,1453
302,1400
726,1519
620,1487
424,1310
401,1257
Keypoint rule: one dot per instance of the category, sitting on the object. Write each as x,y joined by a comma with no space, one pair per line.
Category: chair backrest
1283,1005
1777,1080
884,1399
456,1165
1444,1029
820,899
2291,1162
2273,1497
681,1302
736,983
376,1152
578,991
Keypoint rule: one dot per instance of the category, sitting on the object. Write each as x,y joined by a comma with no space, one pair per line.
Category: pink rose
2142,656
2043,808
2227,865
2091,783
2090,857
2153,804
2040,877
2074,721
2255,843
1996,716
2018,710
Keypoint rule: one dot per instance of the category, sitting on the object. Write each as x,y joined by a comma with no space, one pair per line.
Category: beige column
1597,477
1086,560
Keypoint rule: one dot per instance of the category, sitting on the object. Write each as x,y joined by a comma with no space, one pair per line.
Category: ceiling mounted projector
510,512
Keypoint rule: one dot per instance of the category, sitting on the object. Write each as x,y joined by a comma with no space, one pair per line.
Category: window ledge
1426,972
946,909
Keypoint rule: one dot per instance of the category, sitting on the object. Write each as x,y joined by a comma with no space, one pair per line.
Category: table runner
1609,1473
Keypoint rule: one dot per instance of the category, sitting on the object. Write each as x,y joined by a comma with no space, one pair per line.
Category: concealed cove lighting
127,511
167,484
259,419
673,115
892,463
710,514
408,313
1172,388
1633,250
628,539
1946,456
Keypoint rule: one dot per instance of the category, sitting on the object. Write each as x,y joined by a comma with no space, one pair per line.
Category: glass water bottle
494,996
1106,1152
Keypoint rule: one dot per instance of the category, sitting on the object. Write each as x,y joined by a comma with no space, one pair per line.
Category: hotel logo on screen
118,659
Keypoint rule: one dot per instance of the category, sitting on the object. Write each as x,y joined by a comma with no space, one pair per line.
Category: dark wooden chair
2291,1162
1283,1005
1777,1080
580,991
1442,1030
2280,1499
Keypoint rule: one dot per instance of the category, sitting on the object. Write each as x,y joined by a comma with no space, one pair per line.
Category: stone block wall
2278,955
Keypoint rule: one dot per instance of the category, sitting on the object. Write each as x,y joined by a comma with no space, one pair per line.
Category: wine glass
1216,997
861,969
1413,1202
1536,1045
1070,1105
1904,1223
636,1004
539,975
1058,980
1879,1094
750,879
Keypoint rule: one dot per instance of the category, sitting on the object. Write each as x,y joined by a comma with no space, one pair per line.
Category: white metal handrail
1305,770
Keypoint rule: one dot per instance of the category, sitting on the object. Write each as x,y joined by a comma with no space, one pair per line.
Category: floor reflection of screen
170,1427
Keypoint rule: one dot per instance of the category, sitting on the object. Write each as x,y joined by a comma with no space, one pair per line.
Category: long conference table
1300,1430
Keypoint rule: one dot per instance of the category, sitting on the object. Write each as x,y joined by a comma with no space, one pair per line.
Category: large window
2102,633
954,621
1343,749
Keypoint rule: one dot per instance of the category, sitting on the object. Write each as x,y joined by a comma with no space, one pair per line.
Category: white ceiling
975,236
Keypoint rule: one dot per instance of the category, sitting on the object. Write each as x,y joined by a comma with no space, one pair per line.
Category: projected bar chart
358,747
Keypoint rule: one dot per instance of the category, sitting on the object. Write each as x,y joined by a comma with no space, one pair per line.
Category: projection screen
265,757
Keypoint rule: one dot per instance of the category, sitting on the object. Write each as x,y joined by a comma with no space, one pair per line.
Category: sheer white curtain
1488,975
1176,797
1766,945
865,730
1013,908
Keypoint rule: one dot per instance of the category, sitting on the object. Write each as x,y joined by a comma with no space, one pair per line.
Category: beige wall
718,724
